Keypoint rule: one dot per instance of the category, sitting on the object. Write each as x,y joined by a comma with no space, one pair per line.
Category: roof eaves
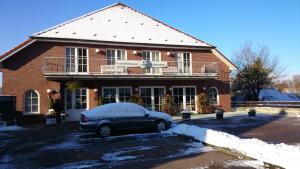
16,49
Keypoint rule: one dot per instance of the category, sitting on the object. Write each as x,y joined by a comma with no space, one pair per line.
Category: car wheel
104,130
161,125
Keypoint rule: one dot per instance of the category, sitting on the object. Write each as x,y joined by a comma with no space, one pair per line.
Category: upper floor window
184,62
152,56
115,54
76,60
213,96
31,101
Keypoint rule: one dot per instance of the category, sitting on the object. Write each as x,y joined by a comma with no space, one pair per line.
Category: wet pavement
59,146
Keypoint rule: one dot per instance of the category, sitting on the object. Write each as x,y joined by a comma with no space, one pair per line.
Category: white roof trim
223,59
16,51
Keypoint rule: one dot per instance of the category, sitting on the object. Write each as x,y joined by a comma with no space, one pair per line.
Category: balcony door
184,98
152,97
184,62
76,60
152,56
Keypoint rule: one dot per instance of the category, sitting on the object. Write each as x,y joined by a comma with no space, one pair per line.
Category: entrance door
76,102
184,98
152,97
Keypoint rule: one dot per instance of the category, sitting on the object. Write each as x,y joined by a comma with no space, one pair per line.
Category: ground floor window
213,96
152,97
76,99
184,98
31,101
116,94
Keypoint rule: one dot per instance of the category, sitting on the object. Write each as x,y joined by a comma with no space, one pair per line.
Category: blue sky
225,24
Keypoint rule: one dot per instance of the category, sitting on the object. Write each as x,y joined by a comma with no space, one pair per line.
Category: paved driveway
57,146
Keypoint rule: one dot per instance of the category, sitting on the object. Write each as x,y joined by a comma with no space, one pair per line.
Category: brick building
114,52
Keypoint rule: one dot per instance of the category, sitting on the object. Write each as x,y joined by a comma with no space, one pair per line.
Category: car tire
161,125
104,130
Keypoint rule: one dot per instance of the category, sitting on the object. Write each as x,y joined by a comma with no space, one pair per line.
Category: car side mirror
146,115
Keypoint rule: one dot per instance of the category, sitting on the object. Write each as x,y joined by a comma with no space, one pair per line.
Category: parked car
123,117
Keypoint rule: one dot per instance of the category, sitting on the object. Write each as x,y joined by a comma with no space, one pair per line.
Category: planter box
51,120
219,114
186,115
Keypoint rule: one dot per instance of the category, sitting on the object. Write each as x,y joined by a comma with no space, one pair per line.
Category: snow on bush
278,154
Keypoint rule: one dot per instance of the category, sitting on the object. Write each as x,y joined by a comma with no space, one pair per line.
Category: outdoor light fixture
97,51
95,90
49,91
168,53
204,88
136,89
135,52
170,89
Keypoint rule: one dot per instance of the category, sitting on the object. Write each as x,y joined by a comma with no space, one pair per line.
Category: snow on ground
9,128
275,95
119,155
193,148
5,162
245,163
69,144
283,155
79,165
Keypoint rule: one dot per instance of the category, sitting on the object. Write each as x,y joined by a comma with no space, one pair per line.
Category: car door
119,118
138,119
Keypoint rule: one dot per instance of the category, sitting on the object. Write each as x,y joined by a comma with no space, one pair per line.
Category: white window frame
184,95
152,93
39,97
151,59
182,62
116,55
73,101
76,60
217,95
117,91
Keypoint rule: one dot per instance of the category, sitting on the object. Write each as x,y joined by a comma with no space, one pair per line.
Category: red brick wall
24,71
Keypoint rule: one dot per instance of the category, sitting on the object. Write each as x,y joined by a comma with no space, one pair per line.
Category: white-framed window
184,62
115,54
76,60
184,97
80,98
31,102
116,94
213,95
152,97
152,56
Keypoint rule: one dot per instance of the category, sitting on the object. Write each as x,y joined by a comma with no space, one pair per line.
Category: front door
75,102
184,98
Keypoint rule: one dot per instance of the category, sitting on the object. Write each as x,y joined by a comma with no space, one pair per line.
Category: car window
118,111
135,111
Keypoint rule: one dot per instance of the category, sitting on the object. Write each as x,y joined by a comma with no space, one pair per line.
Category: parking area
59,146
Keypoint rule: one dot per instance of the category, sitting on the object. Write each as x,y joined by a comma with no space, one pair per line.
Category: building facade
114,53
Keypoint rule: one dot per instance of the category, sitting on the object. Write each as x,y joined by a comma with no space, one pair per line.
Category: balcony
60,67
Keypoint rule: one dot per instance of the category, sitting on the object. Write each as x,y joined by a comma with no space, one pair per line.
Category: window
113,55
80,99
184,62
184,98
151,56
76,60
116,94
31,102
213,96
152,97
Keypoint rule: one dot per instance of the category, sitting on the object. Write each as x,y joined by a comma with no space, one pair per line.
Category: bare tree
256,69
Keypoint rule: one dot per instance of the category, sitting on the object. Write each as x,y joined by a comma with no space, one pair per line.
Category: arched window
31,101
213,96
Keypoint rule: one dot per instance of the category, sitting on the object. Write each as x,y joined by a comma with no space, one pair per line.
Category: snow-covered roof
120,23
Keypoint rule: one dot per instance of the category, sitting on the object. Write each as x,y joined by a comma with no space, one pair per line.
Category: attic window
122,7
166,40
95,34
196,41
56,32
74,33
149,39
132,37
91,18
181,41
109,20
156,25
115,36
126,21
142,23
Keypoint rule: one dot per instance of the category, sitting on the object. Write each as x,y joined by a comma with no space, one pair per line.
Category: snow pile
245,163
275,95
278,154
9,128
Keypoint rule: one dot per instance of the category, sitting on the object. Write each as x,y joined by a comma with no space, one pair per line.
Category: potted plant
219,114
100,101
168,105
136,99
51,116
51,106
203,103
252,112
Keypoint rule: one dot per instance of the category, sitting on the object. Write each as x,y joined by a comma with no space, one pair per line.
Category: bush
203,104
168,105
137,99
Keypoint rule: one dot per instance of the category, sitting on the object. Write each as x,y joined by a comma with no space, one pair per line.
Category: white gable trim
223,59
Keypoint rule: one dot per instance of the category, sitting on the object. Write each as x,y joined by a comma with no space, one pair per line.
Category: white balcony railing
63,66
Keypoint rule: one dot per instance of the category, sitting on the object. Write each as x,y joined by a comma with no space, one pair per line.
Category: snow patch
275,95
5,162
80,165
245,163
283,155
117,156
9,128
63,145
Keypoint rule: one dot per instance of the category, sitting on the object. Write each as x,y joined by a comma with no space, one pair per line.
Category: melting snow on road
9,128
283,155
245,163
119,155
